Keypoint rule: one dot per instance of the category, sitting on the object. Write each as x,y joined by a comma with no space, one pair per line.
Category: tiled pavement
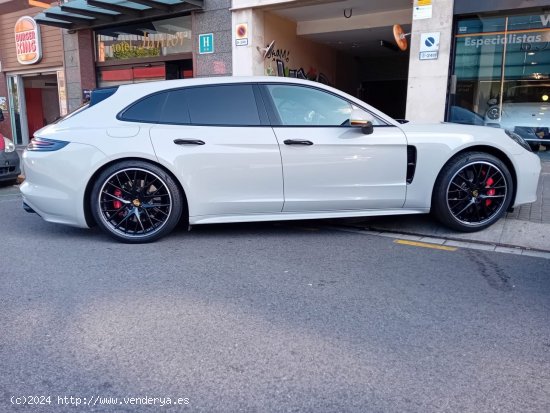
538,211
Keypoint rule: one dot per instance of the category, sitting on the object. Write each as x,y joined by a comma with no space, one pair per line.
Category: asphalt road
266,318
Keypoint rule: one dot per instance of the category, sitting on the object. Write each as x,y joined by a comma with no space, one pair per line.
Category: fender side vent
411,163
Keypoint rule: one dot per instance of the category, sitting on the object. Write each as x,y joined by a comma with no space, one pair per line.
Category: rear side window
175,108
147,110
232,105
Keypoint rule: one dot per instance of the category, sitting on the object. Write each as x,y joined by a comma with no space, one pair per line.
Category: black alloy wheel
136,202
472,192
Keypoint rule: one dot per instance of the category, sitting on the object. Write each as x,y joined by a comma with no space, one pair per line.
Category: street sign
241,35
429,46
428,55
206,43
422,10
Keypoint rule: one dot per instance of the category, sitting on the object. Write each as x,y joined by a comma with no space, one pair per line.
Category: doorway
34,103
179,69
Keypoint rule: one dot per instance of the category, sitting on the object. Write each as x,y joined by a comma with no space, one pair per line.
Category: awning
87,14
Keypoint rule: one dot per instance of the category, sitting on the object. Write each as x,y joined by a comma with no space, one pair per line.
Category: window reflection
501,74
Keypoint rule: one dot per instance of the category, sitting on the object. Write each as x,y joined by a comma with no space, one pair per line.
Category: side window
304,106
175,109
233,105
147,110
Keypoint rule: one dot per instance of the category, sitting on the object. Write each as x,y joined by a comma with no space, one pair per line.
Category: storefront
32,91
501,72
112,43
155,50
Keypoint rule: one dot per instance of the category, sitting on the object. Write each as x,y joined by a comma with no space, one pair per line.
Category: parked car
462,115
9,160
525,110
138,158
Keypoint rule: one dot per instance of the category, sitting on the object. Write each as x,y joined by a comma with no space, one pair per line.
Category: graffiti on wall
281,58
278,54
300,73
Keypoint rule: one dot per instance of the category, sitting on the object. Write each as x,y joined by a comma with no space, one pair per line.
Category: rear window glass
233,105
147,110
175,109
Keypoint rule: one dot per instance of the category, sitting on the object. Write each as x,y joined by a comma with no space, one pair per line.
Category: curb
453,241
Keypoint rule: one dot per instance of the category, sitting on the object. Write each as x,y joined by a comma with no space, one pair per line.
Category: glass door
18,113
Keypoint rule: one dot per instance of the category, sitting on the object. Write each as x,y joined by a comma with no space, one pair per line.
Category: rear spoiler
100,94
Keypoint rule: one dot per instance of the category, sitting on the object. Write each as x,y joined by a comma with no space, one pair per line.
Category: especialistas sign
27,41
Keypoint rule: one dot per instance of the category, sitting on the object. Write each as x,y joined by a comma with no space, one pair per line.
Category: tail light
45,145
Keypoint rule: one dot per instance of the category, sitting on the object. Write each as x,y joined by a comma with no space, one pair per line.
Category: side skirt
223,219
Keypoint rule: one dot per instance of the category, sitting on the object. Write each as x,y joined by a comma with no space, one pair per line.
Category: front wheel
136,202
472,192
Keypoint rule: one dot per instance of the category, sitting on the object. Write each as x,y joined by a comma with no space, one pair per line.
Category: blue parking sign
206,43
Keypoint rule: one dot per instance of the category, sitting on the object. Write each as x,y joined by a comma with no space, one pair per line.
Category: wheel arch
90,221
491,150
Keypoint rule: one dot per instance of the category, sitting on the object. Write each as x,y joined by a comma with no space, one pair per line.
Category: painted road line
448,243
424,245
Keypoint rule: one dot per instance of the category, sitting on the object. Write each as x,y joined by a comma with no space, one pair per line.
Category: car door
222,148
329,165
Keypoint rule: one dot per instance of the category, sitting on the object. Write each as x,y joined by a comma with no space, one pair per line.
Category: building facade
110,43
32,88
484,63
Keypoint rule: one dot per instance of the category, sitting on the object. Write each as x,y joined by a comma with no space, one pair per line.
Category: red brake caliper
116,203
490,191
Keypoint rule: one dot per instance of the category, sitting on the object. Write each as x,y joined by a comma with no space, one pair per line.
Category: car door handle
188,142
297,142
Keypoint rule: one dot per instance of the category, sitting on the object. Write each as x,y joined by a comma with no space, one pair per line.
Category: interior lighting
40,4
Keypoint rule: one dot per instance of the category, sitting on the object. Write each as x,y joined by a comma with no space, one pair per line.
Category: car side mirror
359,118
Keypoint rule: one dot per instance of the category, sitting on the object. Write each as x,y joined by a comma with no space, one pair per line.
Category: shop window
501,74
145,40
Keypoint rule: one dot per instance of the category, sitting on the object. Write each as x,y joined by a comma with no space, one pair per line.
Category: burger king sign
27,41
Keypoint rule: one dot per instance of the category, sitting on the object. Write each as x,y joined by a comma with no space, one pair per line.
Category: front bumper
528,167
10,166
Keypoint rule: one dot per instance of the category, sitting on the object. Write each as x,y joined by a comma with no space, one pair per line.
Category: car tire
472,192
136,202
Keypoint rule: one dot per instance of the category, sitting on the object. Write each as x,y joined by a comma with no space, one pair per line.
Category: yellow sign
424,2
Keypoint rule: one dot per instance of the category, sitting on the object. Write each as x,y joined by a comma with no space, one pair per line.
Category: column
428,79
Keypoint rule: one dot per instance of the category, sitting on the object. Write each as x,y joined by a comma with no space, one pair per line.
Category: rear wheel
472,192
136,202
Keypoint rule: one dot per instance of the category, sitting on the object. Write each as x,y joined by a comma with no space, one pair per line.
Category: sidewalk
527,227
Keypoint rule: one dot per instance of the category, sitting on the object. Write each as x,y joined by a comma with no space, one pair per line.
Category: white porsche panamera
140,158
